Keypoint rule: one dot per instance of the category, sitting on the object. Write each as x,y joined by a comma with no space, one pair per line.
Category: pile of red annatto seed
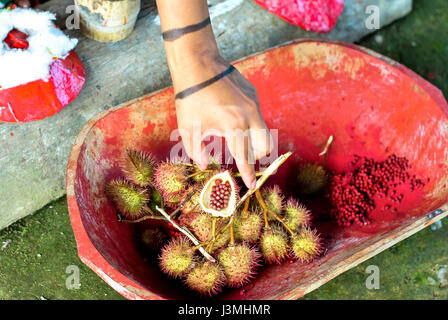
220,195
352,194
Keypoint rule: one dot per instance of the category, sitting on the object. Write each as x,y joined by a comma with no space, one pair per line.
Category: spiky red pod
248,226
201,226
296,215
153,239
207,278
129,199
311,178
170,179
193,203
177,257
274,245
139,167
239,263
273,199
306,245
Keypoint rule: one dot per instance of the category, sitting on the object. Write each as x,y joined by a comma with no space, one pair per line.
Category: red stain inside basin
308,91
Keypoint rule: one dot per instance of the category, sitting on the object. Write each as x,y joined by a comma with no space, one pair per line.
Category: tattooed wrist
174,34
193,89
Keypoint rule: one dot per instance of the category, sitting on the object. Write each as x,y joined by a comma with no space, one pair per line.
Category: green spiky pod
153,239
274,200
247,227
139,167
129,199
239,263
170,179
274,245
177,257
311,178
201,226
296,215
207,278
306,245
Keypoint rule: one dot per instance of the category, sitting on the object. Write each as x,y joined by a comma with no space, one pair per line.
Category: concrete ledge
33,156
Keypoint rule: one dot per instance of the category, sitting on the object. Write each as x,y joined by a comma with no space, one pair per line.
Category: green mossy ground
41,247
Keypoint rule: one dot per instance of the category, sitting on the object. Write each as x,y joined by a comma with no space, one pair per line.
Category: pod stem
120,219
187,233
265,209
198,173
246,206
212,242
324,152
232,235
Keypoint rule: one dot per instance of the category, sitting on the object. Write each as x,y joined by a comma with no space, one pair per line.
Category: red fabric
311,15
39,99
17,39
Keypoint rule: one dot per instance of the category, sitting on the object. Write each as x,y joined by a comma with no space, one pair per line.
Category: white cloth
19,66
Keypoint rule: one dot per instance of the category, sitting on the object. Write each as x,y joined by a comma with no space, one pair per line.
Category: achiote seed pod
273,199
220,195
311,178
274,245
207,278
138,167
170,179
239,263
129,199
153,239
306,245
296,215
248,227
193,203
201,226
177,257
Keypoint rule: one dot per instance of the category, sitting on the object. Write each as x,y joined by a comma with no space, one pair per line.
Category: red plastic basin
308,90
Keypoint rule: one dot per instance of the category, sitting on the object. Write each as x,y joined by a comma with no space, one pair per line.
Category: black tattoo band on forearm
174,34
185,93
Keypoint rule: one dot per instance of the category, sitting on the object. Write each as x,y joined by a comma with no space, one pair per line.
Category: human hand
228,108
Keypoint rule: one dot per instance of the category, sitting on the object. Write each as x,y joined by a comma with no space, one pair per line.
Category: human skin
229,106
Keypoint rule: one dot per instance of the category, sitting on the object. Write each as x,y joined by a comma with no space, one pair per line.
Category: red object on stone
40,99
311,15
17,39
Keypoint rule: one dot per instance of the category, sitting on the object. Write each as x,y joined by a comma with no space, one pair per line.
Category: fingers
195,148
238,142
262,142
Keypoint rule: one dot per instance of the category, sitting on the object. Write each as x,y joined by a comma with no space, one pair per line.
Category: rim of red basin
87,251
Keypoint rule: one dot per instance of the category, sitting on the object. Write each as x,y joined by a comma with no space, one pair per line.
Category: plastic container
107,20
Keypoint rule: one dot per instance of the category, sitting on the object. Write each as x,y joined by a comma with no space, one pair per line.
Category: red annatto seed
351,194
